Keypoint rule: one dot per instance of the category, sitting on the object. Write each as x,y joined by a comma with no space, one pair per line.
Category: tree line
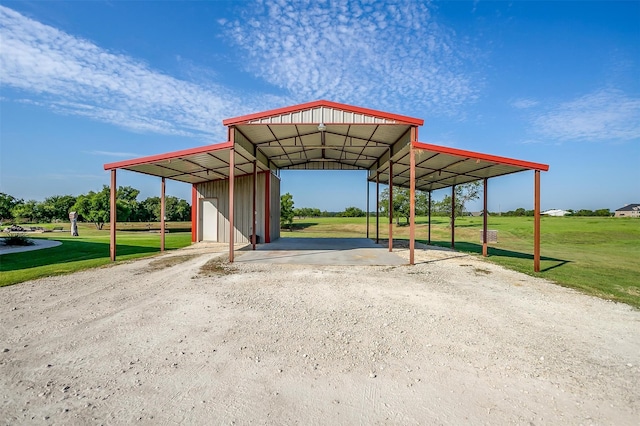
93,207
401,205
582,212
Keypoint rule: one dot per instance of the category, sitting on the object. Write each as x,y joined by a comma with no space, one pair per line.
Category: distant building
476,214
630,210
555,212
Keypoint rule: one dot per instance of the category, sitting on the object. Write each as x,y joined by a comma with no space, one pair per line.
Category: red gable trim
322,103
167,156
481,156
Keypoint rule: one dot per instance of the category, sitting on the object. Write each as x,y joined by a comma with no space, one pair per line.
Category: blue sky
87,83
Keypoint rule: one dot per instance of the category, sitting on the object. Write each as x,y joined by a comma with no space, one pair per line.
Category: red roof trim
167,156
322,103
481,156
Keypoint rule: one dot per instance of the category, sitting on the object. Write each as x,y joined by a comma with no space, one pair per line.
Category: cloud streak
381,56
524,103
74,76
605,115
378,54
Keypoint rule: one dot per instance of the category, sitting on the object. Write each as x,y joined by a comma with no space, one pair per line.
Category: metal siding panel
348,117
327,115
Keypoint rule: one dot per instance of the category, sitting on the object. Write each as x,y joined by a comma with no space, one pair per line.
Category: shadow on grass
299,226
69,251
153,229
493,251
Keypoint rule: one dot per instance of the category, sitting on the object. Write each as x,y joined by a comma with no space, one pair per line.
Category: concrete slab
320,251
38,244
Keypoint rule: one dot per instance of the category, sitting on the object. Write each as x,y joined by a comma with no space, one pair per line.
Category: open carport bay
321,251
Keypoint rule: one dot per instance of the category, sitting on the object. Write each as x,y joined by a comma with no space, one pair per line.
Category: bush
15,239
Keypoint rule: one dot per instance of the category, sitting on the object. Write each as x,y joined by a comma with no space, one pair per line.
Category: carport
323,135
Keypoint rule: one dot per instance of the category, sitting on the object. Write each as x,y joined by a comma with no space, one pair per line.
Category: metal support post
112,223
163,207
485,249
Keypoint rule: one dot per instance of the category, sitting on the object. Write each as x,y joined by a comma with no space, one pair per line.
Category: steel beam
112,223
536,222
367,209
267,206
453,217
231,199
429,226
394,148
253,210
195,206
163,208
485,250
412,205
377,207
390,205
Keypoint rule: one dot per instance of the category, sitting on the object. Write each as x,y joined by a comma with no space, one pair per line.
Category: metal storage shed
320,135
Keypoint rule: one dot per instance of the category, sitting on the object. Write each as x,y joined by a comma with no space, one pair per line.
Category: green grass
89,250
598,256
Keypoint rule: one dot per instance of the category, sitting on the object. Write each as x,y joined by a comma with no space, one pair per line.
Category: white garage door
209,219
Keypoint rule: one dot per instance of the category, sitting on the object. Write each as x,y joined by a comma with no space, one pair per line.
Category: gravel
452,339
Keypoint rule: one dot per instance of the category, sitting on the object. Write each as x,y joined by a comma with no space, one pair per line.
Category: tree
401,203
520,212
181,211
94,206
286,211
302,213
150,210
58,207
467,192
464,193
127,203
7,203
353,212
29,211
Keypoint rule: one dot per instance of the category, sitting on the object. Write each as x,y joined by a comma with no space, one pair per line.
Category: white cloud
605,115
74,76
524,103
370,53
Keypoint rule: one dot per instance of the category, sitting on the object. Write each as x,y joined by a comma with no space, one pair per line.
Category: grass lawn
89,250
598,256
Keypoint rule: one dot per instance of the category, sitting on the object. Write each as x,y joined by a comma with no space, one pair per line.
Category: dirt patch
216,266
285,344
167,262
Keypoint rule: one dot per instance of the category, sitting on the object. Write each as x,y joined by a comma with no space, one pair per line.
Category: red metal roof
167,156
440,167
481,156
195,165
353,138
399,119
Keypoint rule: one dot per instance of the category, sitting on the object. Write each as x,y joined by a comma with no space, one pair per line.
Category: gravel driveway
451,340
